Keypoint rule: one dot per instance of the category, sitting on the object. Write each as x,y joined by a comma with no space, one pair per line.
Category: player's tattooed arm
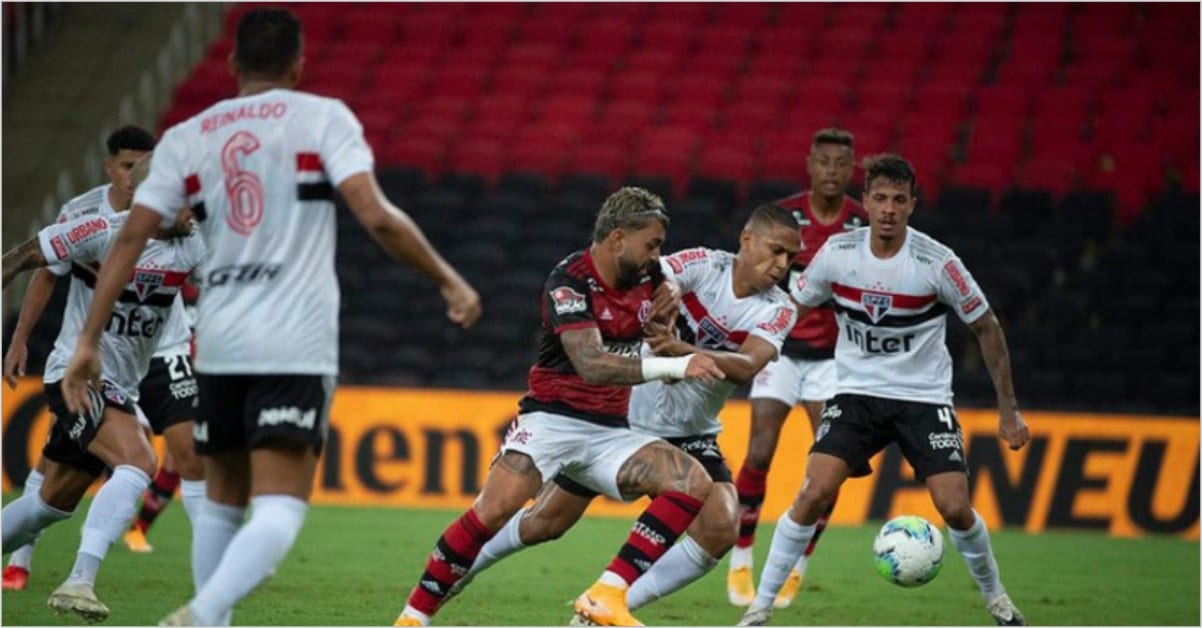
25,256
595,364
739,366
997,359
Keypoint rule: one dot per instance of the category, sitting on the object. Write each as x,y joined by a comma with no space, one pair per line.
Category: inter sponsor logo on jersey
567,300
876,304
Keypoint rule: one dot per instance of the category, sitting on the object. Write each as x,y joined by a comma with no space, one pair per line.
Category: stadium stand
1056,146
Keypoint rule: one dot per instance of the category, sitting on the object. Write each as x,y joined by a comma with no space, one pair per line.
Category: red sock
156,497
751,485
451,559
668,516
823,519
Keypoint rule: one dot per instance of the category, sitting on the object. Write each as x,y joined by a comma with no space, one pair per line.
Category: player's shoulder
846,241
698,256
575,265
927,250
776,297
793,201
92,202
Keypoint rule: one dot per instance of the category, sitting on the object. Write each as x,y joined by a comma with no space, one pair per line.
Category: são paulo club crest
147,281
875,304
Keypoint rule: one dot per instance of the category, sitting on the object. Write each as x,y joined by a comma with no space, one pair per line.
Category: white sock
212,529
24,518
109,516
251,557
683,563
742,557
506,541
801,565
23,557
973,545
192,494
416,614
789,541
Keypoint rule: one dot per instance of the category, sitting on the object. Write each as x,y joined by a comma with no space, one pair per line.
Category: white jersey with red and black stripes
259,172
176,338
892,313
139,316
713,318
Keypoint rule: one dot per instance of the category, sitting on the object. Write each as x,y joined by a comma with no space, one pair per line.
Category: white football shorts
588,453
792,380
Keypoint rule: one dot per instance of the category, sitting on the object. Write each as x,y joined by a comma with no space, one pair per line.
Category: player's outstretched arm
115,272
598,366
740,367
396,232
997,359
25,256
41,286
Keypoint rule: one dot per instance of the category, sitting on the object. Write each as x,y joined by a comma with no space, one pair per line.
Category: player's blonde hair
629,208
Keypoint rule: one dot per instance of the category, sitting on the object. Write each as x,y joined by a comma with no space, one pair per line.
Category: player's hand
14,362
1014,429
463,303
82,372
704,368
665,303
662,341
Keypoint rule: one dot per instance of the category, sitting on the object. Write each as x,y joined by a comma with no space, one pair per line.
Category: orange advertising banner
1127,475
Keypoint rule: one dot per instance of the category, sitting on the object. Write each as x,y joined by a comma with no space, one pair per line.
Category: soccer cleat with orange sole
740,588
135,541
603,605
15,578
788,592
405,619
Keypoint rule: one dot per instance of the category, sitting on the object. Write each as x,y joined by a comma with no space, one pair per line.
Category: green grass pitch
354,566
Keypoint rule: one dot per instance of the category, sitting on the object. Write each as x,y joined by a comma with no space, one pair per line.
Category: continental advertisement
1126,475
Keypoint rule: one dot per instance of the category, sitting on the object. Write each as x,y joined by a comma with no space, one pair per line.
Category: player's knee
494,513
143,459
814,497
696,482
956,512
190,467
716,533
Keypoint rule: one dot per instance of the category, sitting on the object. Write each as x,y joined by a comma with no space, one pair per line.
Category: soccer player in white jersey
733,311
893,287
167,395
259,171
109,433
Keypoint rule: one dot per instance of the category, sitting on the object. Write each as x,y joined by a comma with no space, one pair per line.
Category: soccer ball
908,551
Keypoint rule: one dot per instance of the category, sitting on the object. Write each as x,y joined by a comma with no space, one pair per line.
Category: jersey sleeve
958,289
164,189
687,267
567,303
80,240
344,151
776,325
813,287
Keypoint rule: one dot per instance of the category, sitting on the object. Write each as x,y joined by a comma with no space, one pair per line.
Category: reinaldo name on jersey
892,313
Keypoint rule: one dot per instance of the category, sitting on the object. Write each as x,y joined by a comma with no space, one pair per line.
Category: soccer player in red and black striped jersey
805,372
573,420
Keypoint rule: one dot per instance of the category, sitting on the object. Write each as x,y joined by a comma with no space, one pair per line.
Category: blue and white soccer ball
908,551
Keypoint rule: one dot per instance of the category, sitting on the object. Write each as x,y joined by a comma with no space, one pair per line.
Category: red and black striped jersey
575,297
813,336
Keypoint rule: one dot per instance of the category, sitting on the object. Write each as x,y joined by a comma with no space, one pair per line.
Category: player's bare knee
715,533
495,512
813,499
956,513
695,481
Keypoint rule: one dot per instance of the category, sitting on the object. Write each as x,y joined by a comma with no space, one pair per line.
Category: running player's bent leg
949,492
511,481
554,512
825,473
281,482
20,563
707,540
188,464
